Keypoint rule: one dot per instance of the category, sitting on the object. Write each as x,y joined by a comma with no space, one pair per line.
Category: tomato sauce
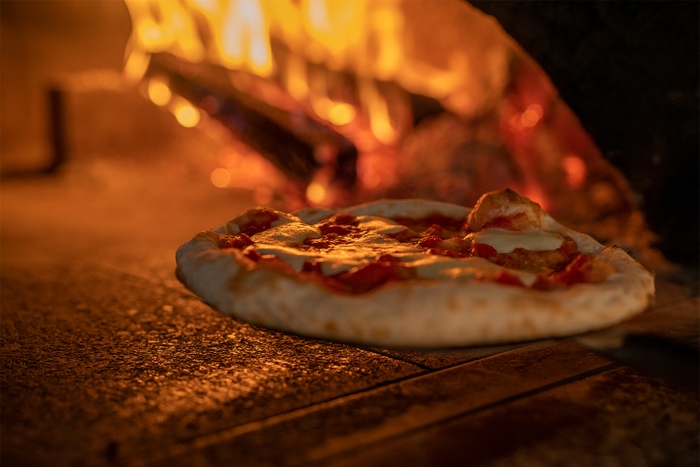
258,220
436,235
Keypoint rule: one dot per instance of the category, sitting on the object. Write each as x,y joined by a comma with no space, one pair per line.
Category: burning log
291,140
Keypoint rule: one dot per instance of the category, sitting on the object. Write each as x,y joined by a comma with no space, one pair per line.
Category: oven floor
108,360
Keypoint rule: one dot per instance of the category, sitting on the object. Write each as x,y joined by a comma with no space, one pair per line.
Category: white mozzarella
505,241
379,225
281,240
294,257
292,233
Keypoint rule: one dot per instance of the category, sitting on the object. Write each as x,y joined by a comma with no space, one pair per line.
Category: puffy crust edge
413,313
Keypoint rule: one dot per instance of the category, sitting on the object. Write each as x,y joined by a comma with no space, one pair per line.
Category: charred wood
291,140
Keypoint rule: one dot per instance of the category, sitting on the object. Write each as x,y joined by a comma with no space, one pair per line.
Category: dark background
629,71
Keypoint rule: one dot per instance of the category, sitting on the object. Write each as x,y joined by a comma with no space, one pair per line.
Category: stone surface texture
107,360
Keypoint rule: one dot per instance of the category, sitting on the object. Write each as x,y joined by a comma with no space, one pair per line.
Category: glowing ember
186,114
263,195
241,168
220,177
575,170
531,116
341,114
535,193
316,193
159,92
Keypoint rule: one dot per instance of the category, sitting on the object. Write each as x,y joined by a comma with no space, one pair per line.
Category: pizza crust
414,313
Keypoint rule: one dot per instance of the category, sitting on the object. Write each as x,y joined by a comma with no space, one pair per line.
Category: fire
369,39
240,35
531,116
341,114
316,192
220,177
575,170
159,92
186,114
240,168
161,26
362,68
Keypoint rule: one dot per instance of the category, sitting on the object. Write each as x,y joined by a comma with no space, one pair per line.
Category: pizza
414,273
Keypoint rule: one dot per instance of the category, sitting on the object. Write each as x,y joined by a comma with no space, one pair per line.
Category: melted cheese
444,267
284,218
505,241
293,256
332,262
379,225
291,233
283,240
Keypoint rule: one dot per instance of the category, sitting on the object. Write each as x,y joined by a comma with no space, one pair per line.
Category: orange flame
531,116
306,49
575,170
369,39
186,114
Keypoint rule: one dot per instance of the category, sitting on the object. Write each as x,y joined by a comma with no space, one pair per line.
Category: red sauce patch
453,253
584,268
252,255
373,274
343,219
328,228
312,265
453,247
437,235
482,250
435,229
368,276
235,241
431,241
258,220
505,277
539,262
569,248
575,271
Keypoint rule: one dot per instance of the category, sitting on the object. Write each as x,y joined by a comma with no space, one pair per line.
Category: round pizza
414,273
